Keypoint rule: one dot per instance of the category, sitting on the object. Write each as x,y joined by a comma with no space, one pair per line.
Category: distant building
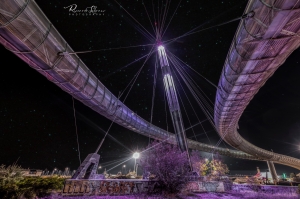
32,172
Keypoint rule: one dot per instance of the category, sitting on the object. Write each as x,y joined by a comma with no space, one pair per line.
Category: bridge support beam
88,168
272,171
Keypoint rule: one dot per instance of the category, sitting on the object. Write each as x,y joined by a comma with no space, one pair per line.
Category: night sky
37,124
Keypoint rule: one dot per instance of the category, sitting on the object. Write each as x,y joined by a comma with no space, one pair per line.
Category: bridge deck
261,44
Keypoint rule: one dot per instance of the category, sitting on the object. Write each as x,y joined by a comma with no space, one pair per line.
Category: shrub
214,168
168,164
9,177
14,185
31,187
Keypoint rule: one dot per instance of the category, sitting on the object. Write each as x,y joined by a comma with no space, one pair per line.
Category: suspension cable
124,67
153,89
134,19
137,75
153,94
120,94
168,3
192,109
204,109
195,71
89,51
113,121
248,15
194,84
148,17
171,18
76,130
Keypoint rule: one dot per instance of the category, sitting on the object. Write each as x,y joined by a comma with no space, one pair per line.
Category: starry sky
37,125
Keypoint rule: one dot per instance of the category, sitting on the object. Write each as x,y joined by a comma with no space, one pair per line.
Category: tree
205,167
10,173
168,164
213,168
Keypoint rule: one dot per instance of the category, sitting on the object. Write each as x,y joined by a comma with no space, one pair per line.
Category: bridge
261,44
26,32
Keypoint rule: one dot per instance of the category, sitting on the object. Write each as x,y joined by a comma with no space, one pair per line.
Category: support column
272,171
173,101
88,168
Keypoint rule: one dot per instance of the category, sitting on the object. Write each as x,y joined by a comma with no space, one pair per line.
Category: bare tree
167,164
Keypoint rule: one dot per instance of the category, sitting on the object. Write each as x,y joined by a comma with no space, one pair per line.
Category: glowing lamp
136,155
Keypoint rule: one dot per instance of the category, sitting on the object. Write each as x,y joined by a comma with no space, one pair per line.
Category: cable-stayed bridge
26,31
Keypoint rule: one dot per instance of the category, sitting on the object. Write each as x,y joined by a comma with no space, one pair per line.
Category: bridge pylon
88,168
272,171
173,103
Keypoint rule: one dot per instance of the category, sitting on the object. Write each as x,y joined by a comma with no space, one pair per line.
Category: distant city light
136,155
124,165
99,167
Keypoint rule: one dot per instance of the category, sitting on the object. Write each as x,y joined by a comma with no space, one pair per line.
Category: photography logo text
88,11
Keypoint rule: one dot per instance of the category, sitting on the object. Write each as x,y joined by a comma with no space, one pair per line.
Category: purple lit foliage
167,164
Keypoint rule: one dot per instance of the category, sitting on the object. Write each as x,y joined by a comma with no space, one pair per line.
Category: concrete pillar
272,171
88,168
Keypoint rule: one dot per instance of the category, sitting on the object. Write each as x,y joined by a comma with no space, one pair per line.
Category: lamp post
124,168
54,170
66,173
136,155
267,176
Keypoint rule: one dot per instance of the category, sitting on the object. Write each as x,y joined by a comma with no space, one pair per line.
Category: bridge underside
261,44
26,32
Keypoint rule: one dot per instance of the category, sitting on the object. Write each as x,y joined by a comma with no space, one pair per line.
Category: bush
168,164
30,187
9,177
214,168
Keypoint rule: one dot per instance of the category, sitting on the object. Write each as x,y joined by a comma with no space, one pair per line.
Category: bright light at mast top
161,47
162,56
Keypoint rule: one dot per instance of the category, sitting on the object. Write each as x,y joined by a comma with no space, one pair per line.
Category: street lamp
124,168
54,170
66,171
136,155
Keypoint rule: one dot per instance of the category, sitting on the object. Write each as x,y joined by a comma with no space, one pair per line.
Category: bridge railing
261,44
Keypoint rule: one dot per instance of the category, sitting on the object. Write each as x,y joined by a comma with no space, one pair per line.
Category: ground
225,195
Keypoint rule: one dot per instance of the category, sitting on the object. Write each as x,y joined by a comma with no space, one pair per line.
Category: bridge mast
173,101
